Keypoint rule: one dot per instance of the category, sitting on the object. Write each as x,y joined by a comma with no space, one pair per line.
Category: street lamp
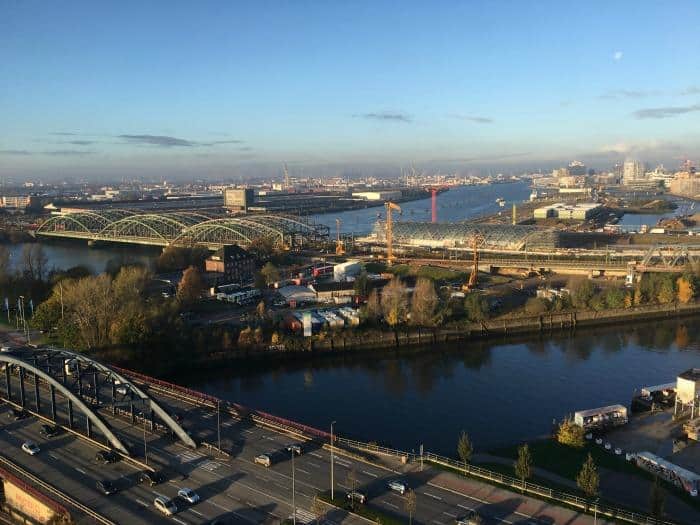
595,511
294,505
332,445
218,426
145,445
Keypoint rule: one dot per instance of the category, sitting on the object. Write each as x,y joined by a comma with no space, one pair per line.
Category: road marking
433,496
316,455
304,471
141,502
81,471
343,463
54,456
450,514
314,465
197,513
389,504
178,520
344,486
219,506
438,522
173,483
464,507
370,474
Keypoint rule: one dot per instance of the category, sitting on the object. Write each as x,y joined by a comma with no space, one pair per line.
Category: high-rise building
238,199
577,168
633,172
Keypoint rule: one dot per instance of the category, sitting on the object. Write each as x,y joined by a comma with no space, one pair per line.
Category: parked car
106,487
398,486
106,457
189,495
263,459
30,448
165,505
296,449
356,495
49,431
152,478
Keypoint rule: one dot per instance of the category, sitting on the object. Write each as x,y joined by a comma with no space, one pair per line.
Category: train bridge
183,228
77,392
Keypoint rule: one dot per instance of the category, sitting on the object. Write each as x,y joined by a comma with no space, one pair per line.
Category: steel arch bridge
183,228
89,389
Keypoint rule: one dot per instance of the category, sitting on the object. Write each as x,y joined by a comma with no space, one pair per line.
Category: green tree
410,505
465,449
270,273
666,292
476,307
657,500
362,285
587,479
424,302
582,292
189,291
570,434
615,298
523,465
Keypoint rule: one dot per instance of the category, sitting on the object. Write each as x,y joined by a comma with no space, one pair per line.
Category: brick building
234,264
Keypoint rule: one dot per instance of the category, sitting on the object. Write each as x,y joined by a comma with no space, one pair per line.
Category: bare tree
394,302
424,302
523,465
465,449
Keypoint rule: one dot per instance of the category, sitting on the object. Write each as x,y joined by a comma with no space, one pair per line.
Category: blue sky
223,89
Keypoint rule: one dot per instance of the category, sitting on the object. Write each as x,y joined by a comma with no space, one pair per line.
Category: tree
258,336
424,303
615,298
536,306
523,465
666,292
410,505
34,261
4,265
587,478
362,285
465,449
657,499
394,302
686,289
275,338
582,292
373,308
260,310
245,337
190,288
570,434
270,273
476,307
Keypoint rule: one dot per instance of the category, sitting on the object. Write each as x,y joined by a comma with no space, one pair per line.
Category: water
463,202
64,254
499,393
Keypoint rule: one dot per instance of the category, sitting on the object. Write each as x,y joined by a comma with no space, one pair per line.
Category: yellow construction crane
339,247
477,241
390,230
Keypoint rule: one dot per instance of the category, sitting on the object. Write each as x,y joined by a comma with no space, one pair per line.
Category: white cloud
617,56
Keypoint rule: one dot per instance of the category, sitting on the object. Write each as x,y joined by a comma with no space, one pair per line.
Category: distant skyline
219,89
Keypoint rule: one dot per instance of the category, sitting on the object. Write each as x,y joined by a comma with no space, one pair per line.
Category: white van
263,459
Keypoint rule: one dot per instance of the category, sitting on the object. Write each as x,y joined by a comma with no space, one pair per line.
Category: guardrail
53,490
508,481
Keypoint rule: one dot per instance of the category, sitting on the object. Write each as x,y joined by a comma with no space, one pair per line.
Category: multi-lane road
236,490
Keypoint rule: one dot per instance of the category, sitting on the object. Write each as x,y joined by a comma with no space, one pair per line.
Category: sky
213,89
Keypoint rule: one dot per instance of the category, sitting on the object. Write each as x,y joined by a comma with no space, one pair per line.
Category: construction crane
477,241
390,230
339,247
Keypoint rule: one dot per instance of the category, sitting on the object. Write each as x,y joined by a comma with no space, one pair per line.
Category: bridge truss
85,389
183,228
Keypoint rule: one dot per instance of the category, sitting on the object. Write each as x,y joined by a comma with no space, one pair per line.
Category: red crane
434,190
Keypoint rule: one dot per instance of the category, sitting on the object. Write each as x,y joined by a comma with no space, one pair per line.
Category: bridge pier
53,402
95,389
37,401
21,387
70,414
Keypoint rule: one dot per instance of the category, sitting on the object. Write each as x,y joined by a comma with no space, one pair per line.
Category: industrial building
688,393
239,199
601,418
232,263
569,212
460,235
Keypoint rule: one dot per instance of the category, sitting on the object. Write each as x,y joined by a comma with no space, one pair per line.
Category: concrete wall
17,498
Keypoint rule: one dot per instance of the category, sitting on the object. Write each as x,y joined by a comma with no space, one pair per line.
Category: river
499,392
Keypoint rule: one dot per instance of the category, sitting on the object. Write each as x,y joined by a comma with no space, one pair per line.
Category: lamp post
332,445
595,511
294,505
145,444
218,425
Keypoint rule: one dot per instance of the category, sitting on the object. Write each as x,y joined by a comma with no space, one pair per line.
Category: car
296,449
17,414
30,448
49,431
189,495
263,459
152,478
106,487
106,457
356,495
398,486
165,505
472,519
